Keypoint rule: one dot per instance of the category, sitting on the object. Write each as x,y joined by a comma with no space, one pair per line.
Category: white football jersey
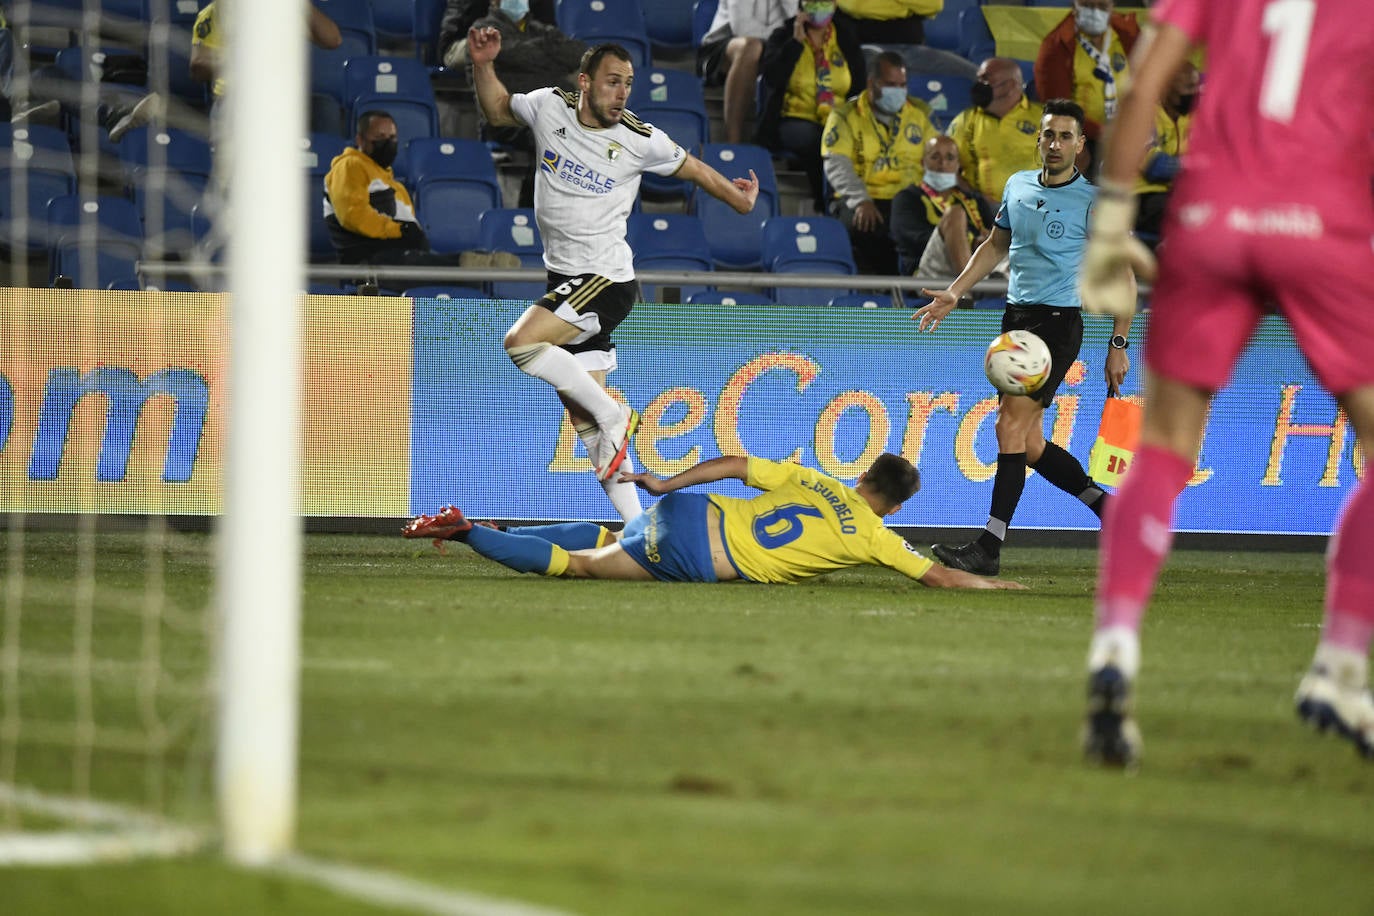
587,181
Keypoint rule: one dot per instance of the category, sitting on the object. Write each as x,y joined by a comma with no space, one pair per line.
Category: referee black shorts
1062,331
595,306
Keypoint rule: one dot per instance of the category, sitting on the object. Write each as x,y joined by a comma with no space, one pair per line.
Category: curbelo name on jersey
843,514
576,174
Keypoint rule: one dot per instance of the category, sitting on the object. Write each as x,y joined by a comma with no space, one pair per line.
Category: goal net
148,684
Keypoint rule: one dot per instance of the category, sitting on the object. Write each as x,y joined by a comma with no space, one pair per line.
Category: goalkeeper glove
1106,283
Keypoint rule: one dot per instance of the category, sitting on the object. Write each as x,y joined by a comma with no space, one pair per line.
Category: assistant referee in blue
1041,228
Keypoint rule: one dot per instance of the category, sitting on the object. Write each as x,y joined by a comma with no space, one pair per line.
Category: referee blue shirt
1049,227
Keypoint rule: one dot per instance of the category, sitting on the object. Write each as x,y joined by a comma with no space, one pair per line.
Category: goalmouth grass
860,744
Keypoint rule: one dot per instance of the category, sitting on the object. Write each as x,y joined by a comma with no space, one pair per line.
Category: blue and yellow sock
518,552
568,535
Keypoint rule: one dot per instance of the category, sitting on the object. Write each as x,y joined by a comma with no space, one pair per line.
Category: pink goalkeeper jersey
1288,104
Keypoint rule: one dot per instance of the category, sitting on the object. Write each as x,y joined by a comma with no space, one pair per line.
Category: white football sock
624,496
1118,645
561,369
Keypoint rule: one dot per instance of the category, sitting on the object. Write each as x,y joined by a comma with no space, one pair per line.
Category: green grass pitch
857,745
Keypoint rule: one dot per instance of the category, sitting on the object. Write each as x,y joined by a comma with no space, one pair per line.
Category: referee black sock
1065,472
1006,493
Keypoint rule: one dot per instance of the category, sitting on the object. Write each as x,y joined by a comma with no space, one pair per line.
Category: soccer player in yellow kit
802,524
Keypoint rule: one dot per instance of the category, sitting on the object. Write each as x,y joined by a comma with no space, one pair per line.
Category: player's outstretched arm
725,467
985,258
492,95
943,577
739,193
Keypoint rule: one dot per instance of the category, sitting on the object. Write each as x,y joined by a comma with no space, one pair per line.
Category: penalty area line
387,889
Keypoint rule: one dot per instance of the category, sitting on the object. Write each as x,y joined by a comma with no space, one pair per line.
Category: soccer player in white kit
592,152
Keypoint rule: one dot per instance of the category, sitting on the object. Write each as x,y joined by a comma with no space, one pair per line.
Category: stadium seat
397,85
514,230
946,94
671,100
148,150
394,19
668,241
942,29
168,228
355,21
806,245
975,38
703,13
458,182
112,253
428,15
737,239
730,297
319,150
862,301
669,23
445,292
619,21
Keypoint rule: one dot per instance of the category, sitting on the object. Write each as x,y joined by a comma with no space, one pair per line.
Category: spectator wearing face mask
369,213
809,64
996,135
1085,58
871,149
938,223
1173,118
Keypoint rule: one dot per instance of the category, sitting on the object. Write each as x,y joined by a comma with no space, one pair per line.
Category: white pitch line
387,889
128,834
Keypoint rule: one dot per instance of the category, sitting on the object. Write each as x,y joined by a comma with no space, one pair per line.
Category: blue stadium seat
355,22
428,15
169,231
514,230
737,240
862,301
942,29
703,13
730,297
454,182
806,245
94,262
397,85
445,292
975,38
946,94
669,23
320,150
394,19
48,171
672,100
598,21
669,241
146,150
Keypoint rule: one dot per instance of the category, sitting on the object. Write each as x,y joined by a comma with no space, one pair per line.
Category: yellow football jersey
805,524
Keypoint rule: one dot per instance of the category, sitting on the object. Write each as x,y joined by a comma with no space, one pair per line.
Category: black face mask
1185,103
383,152
981,95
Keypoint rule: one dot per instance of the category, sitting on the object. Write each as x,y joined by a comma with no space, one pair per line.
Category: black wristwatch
1118,342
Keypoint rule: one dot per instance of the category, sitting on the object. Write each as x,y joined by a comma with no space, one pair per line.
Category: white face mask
890,99
515,9
1092,21
941,181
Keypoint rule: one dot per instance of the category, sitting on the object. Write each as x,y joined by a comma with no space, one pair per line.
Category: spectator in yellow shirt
997,134
889,22
872,148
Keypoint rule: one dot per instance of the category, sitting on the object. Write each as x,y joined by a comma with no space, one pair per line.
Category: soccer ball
1017,362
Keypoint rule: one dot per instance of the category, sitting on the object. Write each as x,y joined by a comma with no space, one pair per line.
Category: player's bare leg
1136,539
1334,695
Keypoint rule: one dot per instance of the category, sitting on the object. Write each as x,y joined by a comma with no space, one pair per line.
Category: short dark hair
1066,107
592,57
367,117
891,58
893,478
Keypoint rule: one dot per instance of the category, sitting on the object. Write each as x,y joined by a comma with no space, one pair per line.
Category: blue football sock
568,535
520,553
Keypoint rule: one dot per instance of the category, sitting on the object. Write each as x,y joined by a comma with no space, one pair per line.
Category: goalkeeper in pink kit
1272,210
